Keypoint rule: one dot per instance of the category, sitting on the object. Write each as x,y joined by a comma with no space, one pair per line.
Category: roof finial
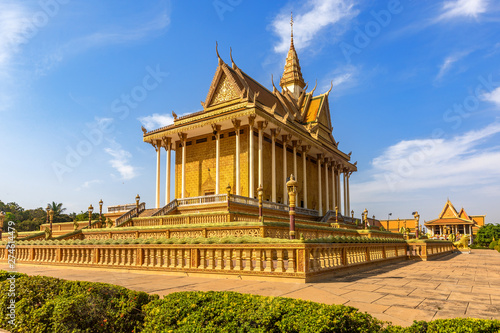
217,51
291,24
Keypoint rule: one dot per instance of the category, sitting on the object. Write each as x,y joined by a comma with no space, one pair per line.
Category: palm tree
57,208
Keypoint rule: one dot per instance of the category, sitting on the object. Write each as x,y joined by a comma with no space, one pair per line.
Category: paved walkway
460,285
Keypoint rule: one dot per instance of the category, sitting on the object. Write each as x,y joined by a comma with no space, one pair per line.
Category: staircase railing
167,208
130,214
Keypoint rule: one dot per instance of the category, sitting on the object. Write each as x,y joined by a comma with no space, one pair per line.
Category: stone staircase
148,212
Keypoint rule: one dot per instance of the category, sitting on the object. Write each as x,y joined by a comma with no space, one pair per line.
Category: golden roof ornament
292,76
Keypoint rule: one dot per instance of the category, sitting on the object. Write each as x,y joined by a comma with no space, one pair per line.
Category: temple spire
292,76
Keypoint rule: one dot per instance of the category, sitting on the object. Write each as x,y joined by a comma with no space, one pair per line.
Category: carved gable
225,91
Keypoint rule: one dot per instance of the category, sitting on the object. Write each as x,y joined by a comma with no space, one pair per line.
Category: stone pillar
345,193
295,144
348,200
285,139
305,149
320,195
251,184
183,137
327,196
217,129
237,125
261,125
334,189
167,144
274,133
337,182
158,156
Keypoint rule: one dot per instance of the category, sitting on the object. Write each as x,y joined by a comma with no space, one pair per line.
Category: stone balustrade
423,250
297,261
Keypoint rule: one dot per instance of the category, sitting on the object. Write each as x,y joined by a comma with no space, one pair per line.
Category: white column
237,124
286,138
217,129
294,148
251,159
348,194
345,195
339,196
274,132
158,156
168,148
327,197
183,137
334,189
304,173
320,204
260,127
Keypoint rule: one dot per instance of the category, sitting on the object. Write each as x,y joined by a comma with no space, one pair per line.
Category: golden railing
424,250
297,261
130,214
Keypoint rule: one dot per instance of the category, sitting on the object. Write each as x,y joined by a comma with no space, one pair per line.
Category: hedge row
213,240
45,304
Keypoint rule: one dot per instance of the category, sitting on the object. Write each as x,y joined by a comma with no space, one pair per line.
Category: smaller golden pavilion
450,221
396,225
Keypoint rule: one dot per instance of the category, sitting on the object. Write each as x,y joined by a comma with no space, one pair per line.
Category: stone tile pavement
459,285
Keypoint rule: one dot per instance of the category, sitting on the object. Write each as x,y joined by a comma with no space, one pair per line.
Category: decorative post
2,218
137,199
336,214
417,217
228,190
352,216
100,211
260,193
51,214
91,209
48,209
365,218
292,194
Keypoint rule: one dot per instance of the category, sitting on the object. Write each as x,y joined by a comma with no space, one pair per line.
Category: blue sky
416,94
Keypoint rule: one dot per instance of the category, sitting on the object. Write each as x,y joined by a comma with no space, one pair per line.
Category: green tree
486,233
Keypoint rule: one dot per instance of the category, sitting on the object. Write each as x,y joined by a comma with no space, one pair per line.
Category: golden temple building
396,225
246,136
450,221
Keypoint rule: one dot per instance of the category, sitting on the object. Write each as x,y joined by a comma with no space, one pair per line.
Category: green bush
46,304
233,312
493,244
457,325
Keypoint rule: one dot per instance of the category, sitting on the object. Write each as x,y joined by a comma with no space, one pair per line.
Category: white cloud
493,97
463,8
120,161
449,62
425,164
156,121
343,78
13,29
314,17
88,184
121,35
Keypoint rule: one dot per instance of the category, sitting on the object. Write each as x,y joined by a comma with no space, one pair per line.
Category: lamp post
292,194
47,209
91,209
417,217
137,199
100,210
352,216
365,218
2,218
336,213
51,214
260,192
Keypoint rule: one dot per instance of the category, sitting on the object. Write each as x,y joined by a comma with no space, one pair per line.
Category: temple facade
247,136
450,221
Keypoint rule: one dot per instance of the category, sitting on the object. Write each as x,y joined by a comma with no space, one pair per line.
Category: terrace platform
456,285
